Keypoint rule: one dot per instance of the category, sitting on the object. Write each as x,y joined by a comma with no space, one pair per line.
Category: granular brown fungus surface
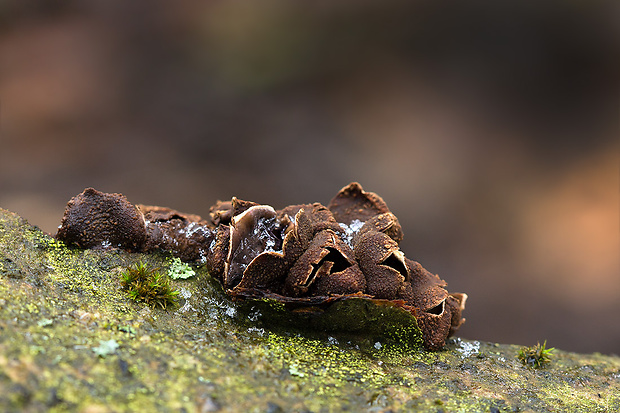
353,203
95,219
185,235
306,256
327,267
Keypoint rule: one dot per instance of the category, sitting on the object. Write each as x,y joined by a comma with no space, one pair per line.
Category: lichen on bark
72,340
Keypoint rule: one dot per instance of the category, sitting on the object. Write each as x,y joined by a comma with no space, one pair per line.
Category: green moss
144,283
537,356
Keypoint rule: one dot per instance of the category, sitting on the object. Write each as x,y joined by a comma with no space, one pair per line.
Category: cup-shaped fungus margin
223,211
327,267
94,219
456,303
439,312
246,252
358,211
353,203
382,264
386,223
440,324
253,232
309,220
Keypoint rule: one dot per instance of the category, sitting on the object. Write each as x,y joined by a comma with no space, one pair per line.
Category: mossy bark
72,340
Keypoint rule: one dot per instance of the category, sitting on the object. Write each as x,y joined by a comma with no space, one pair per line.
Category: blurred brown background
490,129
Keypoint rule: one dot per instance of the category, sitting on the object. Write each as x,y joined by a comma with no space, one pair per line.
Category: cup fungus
305,255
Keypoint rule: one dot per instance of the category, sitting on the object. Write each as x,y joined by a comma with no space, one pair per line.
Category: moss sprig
144,283
536,356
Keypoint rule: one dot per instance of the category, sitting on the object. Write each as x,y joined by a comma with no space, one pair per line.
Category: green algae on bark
71,340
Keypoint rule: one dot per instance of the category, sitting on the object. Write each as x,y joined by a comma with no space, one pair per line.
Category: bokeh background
490,129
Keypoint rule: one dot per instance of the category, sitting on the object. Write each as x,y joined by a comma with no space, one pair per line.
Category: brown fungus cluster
307,254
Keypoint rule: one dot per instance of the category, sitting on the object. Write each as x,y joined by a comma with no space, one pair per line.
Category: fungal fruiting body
306,254
96,219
